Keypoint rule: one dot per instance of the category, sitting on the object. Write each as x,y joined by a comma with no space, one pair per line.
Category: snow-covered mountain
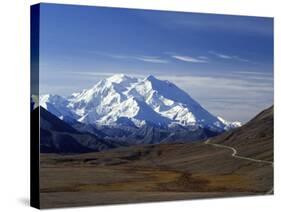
123,101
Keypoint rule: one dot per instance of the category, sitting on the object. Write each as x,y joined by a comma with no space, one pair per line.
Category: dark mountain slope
56,136
51,122
254,139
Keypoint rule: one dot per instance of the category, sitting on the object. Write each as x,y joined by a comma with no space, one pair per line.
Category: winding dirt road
234,154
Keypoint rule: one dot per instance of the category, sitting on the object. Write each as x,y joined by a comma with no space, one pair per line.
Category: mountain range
133,110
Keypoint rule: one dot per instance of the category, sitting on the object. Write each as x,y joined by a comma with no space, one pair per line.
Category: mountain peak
117,78
151,78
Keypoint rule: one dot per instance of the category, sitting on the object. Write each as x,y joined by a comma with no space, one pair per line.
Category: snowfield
121,100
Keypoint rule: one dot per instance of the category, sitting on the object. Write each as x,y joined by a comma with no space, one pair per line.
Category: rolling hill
254,139
236,163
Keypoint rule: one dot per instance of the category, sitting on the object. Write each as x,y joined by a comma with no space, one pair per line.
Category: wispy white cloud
223,56
228,57
189,59
222,83
151,59
254,75
143,58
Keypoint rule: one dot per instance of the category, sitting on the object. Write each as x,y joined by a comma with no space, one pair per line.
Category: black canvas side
34,115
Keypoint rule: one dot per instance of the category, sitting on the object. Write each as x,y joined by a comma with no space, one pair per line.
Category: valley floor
150,173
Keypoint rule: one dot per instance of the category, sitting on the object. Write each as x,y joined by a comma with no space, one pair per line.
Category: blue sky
224,62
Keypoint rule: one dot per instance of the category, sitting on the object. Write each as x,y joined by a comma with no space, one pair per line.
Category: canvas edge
34,114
